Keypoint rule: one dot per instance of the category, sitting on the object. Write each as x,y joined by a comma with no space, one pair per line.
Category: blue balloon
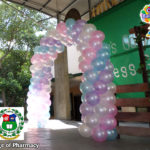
112,134
83,97
70,23
105,45
104,54
30,88
41,49
40,125
98,64
86,87
60,49
34,80
39,74
91,75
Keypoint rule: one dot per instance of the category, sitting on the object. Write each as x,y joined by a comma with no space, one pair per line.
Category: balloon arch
97,108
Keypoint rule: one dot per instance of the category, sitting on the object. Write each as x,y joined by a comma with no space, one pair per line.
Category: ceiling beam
24,2
31,8
45,5
89,5
39,5
85,13
70,4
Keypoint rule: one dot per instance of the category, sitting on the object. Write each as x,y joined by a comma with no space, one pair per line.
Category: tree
18,26
15,77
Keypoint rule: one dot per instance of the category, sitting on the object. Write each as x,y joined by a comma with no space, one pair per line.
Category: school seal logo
145,17
11,123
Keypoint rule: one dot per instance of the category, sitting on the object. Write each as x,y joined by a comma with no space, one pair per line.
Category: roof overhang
54,8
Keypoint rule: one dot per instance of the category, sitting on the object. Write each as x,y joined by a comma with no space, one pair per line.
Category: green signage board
115,23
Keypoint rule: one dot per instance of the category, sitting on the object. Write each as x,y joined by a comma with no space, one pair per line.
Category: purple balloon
44,81
109,66
48,41
46,70
92,98
99,134
106,76
77,29
81,22
100,86
58,44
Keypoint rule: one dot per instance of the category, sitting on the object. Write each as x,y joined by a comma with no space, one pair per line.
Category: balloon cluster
98,101
98,109
39,90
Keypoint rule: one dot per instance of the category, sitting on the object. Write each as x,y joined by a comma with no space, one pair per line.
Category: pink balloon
98,35
61,28
95,43
99,134
112,110
108,122
89,54
46,56
35,58
85,65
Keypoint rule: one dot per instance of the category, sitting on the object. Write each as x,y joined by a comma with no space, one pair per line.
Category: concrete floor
65,136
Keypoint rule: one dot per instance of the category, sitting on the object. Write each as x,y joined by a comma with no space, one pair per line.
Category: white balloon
108,97
101,109
85,130
82,46
92,120
111,87
84,37
88,28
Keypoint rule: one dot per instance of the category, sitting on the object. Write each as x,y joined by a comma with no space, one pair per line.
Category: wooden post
62,104
142,57
141,53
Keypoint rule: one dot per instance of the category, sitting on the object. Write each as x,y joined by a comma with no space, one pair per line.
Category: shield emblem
9,122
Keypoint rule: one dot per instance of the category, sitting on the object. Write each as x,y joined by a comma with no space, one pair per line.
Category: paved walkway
64,136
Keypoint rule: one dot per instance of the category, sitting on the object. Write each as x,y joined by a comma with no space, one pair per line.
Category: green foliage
15,77
17,40
17,29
